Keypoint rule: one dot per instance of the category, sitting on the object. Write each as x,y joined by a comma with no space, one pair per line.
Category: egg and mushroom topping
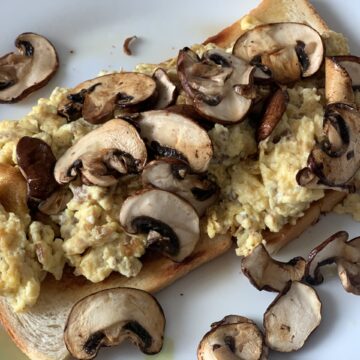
116,143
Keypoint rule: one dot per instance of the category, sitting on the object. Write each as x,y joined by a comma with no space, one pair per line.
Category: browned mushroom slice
265,273
97,99
334,161
36,162
13,190
175,176
169,134
220,85
56,202
338,84
324,254
348,267
171,223
288,50
29,69
352,65
103,154
166,90
109,317
292,317
274,111
346,254
234,337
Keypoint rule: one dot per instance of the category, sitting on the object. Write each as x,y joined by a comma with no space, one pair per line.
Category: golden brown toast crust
272,11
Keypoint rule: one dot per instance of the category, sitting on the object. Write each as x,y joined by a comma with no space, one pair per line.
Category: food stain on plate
8,350
167,352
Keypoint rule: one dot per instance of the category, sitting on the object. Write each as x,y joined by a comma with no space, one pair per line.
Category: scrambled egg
258,191
263,193
91,238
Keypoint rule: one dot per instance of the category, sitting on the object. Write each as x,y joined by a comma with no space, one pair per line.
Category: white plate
89,36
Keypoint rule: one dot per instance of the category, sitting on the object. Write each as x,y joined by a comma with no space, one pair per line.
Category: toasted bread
39,331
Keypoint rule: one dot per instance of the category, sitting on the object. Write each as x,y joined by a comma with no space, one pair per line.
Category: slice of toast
39,332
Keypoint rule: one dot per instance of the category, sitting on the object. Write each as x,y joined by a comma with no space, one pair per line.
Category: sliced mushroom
220,85
31,68
275,109
292,317
36,162
265,273
109,317
171,223
346,254
334,161
189,111
103,154
352,66
96,100
348,267
13,190
56,202
166,90
173,135
338,84
289,50
175,176
234,337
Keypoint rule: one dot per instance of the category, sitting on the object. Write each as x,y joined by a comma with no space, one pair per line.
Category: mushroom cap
292,317
336,160
216,83
97,99
265,273
174,176
174,135
13,190
171,222
234,337
348,267
37,161
29,69
111,149
323,254
290,50
351,64
109,317
346,255
338,83
166,90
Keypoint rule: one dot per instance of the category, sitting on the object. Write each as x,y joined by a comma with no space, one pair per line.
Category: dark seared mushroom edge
34,157
109,317
341,251
27,70
266,273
